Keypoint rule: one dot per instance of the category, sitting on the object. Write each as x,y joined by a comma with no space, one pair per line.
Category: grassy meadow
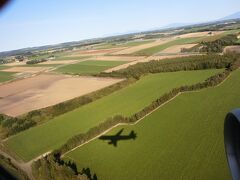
127,101
181,140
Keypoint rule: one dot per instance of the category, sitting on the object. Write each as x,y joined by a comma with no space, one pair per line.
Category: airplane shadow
113,139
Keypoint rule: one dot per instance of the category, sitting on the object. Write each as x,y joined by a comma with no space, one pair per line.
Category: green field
181,140
234,31
156,49
127,101
89,67
6,76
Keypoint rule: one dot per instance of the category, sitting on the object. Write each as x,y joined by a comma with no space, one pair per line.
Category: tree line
218,45
36,61
52,166
113,121
210,61
132,74
14,125
118,119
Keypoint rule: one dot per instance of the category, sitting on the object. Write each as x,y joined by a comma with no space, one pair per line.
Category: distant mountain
232,16
174,25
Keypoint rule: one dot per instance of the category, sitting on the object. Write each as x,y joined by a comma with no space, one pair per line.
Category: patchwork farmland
139,95
153,102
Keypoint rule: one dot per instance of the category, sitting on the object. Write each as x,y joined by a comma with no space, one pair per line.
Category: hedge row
12,125
111,122
218,45
200,62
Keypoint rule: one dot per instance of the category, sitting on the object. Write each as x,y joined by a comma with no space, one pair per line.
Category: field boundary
136,122
122,124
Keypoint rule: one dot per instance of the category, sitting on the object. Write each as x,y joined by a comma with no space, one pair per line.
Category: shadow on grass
113,139
87,171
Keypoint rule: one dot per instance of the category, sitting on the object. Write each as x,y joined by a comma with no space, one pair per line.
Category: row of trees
132,73
51,167
111,122
36,61
14,125
177,64
218,45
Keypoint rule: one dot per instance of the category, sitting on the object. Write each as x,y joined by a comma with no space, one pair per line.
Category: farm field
134,49
181,140
2,67
116,58
235,49
176,49
162,57
126,44
54,133
88,67
156,49
67,58
201,34
45,90
6,76
26,69
94,52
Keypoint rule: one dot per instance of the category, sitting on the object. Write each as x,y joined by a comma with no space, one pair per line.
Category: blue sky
28,23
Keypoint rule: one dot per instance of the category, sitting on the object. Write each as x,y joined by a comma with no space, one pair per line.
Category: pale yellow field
45,90
116,58
143,46
177,48
94,52
151,58
200,34
26,69
235,49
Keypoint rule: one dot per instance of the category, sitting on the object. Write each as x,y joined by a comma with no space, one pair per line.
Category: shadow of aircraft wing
119,132
113,142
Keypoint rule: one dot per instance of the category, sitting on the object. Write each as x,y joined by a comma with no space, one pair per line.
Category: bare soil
94,52
200,34
177,48
235,49
45,90
143,46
